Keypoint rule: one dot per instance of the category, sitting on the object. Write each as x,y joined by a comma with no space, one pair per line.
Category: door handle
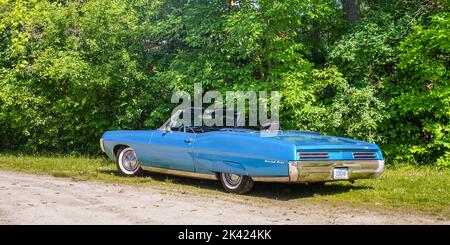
188,140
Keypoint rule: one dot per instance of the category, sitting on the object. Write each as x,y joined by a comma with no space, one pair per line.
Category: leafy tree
70,70
370,69
419,100
351,9
323,101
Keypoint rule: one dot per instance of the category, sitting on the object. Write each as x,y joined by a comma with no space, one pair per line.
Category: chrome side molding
180,173
271,179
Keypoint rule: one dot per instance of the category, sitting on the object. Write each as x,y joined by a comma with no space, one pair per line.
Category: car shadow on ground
276,191
285,191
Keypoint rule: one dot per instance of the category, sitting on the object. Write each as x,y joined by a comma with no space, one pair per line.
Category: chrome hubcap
232,180
129,161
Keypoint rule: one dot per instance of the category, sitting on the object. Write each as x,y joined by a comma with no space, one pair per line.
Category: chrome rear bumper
322,171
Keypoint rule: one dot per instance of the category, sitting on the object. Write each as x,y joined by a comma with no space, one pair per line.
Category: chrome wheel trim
231,181
128,162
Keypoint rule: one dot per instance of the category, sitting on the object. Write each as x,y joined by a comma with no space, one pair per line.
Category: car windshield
231,121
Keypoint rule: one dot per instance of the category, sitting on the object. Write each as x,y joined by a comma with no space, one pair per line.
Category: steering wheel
183,128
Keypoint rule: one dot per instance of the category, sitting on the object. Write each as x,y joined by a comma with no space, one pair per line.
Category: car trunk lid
313,146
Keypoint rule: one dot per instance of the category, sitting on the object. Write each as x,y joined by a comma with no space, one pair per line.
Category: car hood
312,141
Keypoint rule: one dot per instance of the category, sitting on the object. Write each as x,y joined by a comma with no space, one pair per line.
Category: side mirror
167,128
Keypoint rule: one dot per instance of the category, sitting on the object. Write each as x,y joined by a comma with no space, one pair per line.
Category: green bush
70,71
324,101
419,128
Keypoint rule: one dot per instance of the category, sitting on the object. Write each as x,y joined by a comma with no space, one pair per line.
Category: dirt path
31,199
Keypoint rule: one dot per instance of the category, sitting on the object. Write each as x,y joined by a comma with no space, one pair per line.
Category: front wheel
127,162
235,183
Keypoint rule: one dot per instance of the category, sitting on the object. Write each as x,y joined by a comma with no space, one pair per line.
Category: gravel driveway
33,199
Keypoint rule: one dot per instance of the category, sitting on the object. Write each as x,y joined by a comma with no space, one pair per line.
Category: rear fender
230,167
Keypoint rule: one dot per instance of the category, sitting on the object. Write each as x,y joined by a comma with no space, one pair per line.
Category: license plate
340,173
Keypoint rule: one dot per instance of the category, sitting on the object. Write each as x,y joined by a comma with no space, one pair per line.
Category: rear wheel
127,162
235,183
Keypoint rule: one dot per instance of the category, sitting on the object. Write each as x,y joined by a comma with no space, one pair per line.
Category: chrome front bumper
322,171
102,145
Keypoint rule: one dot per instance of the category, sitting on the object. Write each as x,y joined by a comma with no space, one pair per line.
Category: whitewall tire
127,162
234,183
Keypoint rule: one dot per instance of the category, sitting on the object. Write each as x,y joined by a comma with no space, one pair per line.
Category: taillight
313,155
364,155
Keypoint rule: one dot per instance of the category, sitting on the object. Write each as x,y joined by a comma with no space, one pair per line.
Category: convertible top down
238,157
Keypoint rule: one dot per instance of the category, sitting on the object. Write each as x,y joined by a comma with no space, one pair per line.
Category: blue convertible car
238,157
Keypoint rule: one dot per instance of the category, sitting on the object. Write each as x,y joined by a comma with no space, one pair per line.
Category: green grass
405,189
